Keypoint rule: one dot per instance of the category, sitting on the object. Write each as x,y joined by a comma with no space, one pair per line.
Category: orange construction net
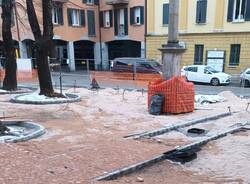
178,94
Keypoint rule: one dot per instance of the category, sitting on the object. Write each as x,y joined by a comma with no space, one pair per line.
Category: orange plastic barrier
22,76
179,94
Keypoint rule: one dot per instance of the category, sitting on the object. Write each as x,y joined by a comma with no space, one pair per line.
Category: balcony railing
116,2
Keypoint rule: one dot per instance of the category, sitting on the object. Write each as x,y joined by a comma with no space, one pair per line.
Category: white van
205,74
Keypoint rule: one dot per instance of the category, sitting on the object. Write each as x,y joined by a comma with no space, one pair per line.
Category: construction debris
204,99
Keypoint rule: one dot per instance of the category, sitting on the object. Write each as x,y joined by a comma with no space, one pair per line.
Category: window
192,69
121,22
137,15
90,2
106,19
238,10
165,14
57,15
76,17
234,55
201,11
91,23
146,65
198,54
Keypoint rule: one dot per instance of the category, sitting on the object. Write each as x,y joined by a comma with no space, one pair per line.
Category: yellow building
214,32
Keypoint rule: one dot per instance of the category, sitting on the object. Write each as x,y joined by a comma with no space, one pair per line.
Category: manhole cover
196,131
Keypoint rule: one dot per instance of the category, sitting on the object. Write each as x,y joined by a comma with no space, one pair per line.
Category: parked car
205,74
245,78
142,65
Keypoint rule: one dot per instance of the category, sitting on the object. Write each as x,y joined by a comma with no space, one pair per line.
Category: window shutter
111,18
247,16
141,15
132,16
198,54
116,22
70,16
230,10
82,18
91,23
165,14
126,21
203,11
60,18
84,1
198,11
101,19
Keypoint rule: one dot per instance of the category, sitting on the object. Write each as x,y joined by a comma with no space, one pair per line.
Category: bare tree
10,80
43,44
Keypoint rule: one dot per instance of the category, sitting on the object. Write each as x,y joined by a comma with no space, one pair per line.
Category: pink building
88,30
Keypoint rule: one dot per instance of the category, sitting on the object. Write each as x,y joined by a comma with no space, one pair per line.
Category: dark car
138,65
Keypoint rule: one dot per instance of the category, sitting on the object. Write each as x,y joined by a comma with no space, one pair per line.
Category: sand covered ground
85,140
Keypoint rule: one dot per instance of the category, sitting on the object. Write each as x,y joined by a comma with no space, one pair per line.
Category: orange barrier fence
22,76
126,76
178,94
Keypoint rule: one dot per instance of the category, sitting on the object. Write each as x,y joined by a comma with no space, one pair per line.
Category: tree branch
33,19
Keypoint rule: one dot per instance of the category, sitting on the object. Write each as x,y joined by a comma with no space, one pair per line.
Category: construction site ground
84,140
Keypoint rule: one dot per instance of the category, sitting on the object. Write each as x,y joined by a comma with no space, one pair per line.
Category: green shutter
116,22
132,16
203,11
247,16
69,11
126,21
60,11
91,23
165,14
142,14
230,10
111,17
101,17
82,18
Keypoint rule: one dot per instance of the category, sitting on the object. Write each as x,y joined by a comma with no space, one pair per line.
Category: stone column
172,51
105,56
23,50
143,50
71,56
97,55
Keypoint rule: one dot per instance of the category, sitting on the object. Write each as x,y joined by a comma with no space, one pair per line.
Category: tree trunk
43,44
10,80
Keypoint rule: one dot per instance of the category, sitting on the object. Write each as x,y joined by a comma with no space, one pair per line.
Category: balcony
116,2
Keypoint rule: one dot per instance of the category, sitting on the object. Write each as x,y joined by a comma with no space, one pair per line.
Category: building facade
87,30
214,32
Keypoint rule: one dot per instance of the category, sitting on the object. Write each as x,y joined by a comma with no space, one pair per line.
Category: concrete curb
71,98
39,130
181,125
